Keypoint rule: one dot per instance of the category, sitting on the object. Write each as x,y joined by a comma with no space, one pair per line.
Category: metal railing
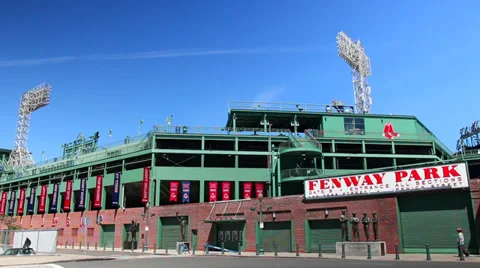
281,106
312,140
300,172
108,151
203,130
293,139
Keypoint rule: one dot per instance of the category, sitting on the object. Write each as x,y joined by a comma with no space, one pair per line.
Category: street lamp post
260,199
147,227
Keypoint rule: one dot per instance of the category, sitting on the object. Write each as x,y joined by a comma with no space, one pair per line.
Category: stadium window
354,126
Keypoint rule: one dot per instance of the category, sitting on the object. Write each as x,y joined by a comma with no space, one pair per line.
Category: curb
321,258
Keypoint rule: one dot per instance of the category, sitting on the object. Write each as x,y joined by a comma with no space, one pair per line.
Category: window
90,232
354,126
74,231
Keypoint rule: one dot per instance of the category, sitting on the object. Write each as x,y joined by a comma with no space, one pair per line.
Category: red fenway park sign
427,178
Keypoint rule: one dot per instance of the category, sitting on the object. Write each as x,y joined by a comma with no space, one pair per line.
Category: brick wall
285,208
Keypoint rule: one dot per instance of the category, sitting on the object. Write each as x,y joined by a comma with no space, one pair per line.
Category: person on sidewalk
461,243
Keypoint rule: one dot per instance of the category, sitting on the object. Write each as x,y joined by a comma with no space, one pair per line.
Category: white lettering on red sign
418,179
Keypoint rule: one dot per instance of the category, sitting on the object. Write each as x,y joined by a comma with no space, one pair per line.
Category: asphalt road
233,262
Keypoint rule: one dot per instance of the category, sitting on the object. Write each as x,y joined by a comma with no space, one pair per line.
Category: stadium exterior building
309,162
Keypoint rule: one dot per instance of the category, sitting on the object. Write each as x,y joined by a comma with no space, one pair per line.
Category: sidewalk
201,253
43,259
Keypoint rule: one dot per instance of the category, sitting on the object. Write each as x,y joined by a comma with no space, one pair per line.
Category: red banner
247,190
97,200
67,198
225,190
43,198
21,202
213,186
3,203
173,191
145,185
259,188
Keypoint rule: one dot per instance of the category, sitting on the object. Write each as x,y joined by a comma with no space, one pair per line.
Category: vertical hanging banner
11,203
185,192
225,190
146,185
116,190
259,188
54,201
83,194
43,199
21,202
31,200
3,203
173,192
67,198
247,190
97,200
213,188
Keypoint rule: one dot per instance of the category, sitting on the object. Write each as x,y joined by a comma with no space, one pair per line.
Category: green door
230,233
277,232
108,235
433,219
171,232
326,232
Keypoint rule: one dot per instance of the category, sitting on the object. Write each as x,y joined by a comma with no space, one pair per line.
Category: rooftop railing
290,107
202,130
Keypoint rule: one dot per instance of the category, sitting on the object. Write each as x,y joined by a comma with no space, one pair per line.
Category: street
234,262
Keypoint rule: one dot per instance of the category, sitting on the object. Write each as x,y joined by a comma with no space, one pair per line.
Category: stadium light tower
31,101
353,54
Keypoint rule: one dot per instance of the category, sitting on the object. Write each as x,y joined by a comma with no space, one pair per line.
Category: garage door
230,233
433,219
108,235
277,232
326,232
171,233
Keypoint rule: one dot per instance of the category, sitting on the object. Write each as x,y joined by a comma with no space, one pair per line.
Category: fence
42,241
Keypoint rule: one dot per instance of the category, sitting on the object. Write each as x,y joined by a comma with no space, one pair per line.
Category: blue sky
112,63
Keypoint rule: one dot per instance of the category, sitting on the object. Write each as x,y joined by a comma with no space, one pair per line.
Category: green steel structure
280,144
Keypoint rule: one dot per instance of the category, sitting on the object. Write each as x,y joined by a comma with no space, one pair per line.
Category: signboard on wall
451,176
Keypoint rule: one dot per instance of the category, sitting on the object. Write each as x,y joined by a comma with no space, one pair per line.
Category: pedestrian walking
461,243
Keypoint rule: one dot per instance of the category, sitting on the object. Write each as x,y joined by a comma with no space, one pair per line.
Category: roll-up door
326,232
433,219
171,232
277,232
108,235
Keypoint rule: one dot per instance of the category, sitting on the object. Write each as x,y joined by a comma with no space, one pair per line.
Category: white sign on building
451,176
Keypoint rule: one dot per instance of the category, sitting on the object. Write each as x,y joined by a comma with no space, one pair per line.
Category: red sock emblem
388,131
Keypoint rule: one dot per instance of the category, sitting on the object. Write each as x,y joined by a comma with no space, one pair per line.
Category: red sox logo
388,131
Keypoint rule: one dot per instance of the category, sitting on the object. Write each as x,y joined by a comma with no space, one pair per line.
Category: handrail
300,172
312,140
293,139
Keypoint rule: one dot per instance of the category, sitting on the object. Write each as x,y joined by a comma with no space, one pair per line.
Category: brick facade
285,208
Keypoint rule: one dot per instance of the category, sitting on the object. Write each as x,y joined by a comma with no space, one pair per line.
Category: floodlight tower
31,101
353,54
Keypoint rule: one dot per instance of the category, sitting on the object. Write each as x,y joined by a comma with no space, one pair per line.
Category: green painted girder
382,155
200,152
300,150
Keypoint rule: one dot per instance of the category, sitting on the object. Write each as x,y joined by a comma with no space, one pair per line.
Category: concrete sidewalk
201,253
16,261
